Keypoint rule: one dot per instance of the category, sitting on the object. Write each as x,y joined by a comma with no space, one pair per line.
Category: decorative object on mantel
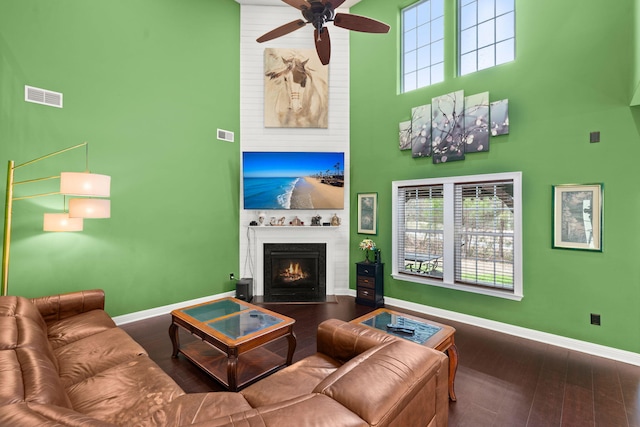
281,221
368,245
454,125
318,13
296,222
296,92
261,218
272,221
577,217
335,220
368,213
315,221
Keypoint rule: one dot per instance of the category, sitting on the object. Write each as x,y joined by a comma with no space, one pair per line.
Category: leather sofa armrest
58,307
343,341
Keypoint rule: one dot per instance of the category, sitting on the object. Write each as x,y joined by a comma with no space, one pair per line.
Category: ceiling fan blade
359,23
334,3
298,4
282,30
323,45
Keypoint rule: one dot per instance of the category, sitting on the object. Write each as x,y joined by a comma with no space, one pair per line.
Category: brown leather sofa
63,362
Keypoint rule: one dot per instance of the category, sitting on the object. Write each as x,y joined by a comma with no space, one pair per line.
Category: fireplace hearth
295,272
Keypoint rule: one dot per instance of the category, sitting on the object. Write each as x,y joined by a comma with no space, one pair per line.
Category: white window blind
484,234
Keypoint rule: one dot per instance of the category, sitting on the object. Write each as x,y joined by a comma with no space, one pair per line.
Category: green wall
146,83
573,74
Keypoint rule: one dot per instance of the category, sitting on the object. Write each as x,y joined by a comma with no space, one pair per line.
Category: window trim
448,280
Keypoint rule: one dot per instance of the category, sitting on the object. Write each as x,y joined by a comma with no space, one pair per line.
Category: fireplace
295,272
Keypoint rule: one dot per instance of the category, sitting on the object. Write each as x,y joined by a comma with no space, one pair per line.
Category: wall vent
42,96
225,135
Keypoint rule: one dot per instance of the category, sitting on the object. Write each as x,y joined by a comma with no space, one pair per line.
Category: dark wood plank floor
501,380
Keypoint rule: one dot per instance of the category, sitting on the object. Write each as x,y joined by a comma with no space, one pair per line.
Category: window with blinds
422,241
484,234
460,232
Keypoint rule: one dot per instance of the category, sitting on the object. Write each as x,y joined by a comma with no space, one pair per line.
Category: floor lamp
84,184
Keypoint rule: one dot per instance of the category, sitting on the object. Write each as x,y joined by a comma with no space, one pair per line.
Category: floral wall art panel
447,133
404,135
476,122
296,93
421,131
499,117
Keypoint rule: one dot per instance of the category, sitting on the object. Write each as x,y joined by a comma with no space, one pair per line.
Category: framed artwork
577,216
296,91
368,213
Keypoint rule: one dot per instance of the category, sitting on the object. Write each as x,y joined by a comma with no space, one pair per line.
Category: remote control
401,329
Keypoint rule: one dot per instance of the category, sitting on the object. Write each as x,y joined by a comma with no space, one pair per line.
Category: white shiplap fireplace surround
256,18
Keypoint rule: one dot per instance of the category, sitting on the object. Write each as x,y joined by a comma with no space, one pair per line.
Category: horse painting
296,90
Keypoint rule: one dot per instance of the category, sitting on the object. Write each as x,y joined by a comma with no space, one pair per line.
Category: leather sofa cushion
198,407
28,366
126,393
377,384
71,329
293,381
343,341
89,356
326,413
34,414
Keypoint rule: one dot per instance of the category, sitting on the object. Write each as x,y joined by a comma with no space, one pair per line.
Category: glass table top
214,310
423,331
244,323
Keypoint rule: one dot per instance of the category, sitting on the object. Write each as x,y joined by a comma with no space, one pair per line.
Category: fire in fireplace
294,272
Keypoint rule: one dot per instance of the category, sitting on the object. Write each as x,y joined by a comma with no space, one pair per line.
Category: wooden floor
501,380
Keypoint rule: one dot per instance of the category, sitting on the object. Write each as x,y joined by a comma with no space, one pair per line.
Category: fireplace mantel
276,228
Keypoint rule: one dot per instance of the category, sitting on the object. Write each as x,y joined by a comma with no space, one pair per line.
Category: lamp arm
6,245
8,206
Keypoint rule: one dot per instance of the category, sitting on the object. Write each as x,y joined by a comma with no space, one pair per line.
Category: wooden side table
369,283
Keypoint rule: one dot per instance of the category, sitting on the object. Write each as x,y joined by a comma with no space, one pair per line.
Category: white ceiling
346,4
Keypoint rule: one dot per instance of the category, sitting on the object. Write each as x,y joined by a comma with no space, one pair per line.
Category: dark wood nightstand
369,284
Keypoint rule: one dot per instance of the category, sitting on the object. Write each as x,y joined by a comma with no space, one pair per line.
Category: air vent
42,96
225,135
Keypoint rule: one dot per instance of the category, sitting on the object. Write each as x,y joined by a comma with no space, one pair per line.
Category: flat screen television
293,180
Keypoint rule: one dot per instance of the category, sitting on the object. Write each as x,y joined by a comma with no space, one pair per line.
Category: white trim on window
448,253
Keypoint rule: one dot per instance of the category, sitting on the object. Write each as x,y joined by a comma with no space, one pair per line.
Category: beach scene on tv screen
293,180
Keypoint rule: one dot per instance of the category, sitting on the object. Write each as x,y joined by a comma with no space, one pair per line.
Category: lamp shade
85,184
61,222
90,208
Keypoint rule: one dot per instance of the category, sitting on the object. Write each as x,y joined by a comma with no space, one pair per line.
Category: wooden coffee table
427,333
233,339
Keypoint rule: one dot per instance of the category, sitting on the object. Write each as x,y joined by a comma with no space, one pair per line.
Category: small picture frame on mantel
577,216
368,213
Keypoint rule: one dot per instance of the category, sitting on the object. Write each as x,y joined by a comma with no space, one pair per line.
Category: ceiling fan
318,13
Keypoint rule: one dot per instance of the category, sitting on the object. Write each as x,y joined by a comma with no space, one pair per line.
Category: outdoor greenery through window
422,44
486,34
460,232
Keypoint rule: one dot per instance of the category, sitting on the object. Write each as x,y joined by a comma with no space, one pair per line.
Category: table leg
452,352
292,346
175,340
232,370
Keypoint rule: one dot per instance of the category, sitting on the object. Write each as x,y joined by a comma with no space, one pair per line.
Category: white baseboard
531,334
153,312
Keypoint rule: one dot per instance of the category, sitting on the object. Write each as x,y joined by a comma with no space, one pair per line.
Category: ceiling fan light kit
318,13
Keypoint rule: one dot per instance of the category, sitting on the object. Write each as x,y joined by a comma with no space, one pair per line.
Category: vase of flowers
368,245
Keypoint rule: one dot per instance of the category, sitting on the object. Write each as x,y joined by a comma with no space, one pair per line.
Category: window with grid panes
460,232
422,44
486,34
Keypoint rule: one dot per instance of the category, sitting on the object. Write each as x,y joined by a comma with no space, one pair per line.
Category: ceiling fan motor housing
319,14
